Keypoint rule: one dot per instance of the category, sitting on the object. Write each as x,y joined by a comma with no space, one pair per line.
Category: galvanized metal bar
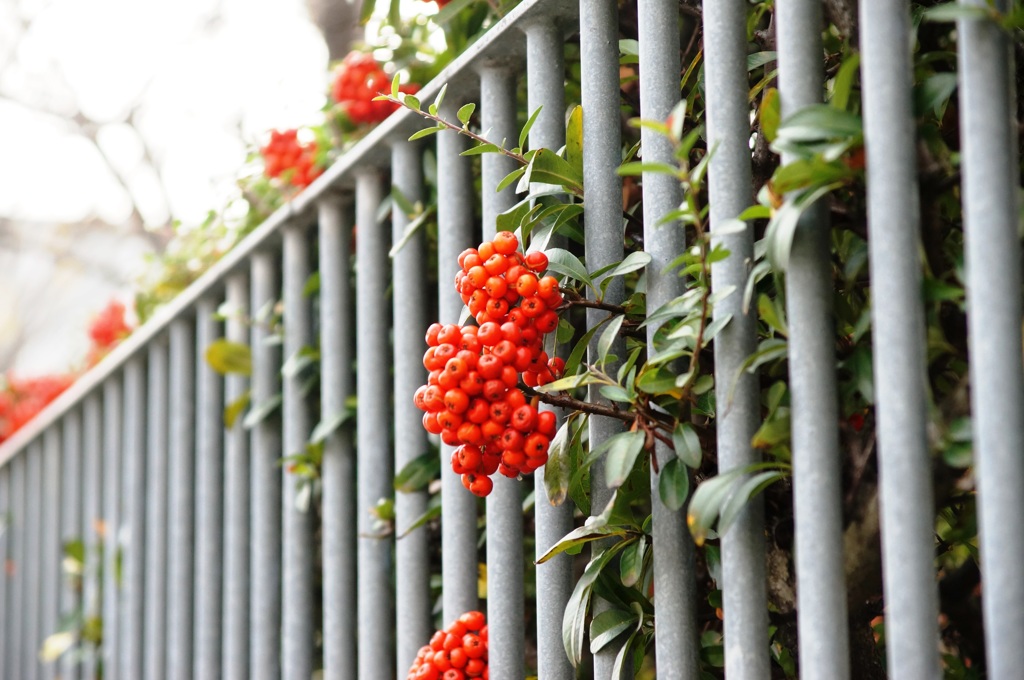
92,501
898,342
52,557
133,584
16,590
602,154
675,579
113,444
455,201
297,522
505,572
375,468
744,591
991,177
411,314
7,621
33,506
209,534
545,87
73,524
338,476
181,519
235,640
265,498
821,593
156,622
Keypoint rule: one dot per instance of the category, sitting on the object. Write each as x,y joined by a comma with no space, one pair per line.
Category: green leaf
574,620
743,493
326,427
235,409
593,531
258,413
931,95
298,362
465,112
616,393
563,262
480,149
759,59
574,139
426,132
509,179
548,167
637,168
631,564
633,262
687,445
576,355
819,122
226,357
608,337
411,229
433,512
621,457
782,227
842,85
525,133
411,101
570,382
952,11
396,81
417,474
674,484
438,99
558,470
609,625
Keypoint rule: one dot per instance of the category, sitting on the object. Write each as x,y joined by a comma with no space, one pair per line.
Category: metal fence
198,556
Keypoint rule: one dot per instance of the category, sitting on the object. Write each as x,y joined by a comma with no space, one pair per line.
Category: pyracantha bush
292,161
455,653
357,80
472,396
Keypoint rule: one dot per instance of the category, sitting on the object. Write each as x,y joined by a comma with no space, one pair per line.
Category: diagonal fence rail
202,556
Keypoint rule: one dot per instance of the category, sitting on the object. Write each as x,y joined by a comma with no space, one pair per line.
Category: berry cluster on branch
456,653
472,396
288,159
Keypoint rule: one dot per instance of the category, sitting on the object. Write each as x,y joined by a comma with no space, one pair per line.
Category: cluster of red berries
22,398
108,328
472,397
292,161
456,653
357,80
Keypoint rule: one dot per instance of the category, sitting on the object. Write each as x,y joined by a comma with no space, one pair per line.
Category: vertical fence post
821,593
265,443
898,343
675,579
156,624
375,469
545,81
16,639
73,525
113,454
235,640
455,228
92,501
505,598
6,617
50,569
209,498
133,583
297,524
599,55
744,591
33,553
339,469
182,499
411,314
992,250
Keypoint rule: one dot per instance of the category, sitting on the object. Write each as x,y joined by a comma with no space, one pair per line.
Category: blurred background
122,118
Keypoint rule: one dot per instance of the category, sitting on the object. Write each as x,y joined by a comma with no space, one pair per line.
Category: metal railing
201,562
